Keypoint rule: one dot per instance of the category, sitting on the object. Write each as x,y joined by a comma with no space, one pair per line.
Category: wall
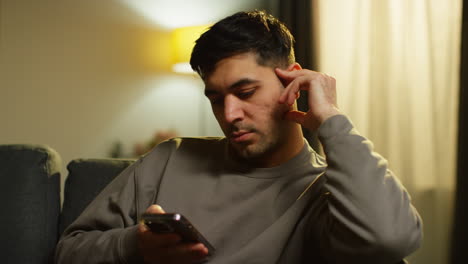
80,75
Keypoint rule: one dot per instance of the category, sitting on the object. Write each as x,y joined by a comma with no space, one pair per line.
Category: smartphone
176,223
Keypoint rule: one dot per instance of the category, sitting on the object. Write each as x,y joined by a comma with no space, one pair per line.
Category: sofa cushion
30,191
86,179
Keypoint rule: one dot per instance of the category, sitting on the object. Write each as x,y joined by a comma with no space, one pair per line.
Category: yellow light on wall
183,39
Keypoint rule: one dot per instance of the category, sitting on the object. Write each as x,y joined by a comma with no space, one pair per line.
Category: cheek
272,110
271,107
219,115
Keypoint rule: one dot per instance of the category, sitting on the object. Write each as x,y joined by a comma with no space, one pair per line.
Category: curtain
396,63
460,231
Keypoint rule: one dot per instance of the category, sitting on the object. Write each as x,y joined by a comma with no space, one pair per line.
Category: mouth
240,136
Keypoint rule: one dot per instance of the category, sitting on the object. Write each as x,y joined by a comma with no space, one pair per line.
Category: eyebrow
236,85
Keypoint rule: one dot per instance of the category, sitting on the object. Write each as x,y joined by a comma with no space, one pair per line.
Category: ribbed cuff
334,126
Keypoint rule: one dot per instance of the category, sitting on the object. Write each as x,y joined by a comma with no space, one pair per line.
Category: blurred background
106,78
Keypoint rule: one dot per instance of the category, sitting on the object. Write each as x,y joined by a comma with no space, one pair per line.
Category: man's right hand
167,248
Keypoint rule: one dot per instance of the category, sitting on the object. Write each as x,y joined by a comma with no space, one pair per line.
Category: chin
252,151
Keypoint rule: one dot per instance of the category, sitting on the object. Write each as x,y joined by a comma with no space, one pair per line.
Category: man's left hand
322,95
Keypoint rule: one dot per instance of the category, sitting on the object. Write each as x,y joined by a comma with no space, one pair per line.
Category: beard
262,146
265,141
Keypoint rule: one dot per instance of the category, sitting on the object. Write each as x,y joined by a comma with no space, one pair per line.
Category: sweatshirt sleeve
106,230
369,216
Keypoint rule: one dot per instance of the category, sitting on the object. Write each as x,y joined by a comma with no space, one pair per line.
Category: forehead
232,69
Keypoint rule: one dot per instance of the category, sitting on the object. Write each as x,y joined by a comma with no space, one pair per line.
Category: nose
233,109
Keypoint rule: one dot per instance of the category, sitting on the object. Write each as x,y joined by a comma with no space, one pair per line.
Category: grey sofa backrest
86,178
30,195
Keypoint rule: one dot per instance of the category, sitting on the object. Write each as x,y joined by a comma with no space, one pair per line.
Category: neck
289,147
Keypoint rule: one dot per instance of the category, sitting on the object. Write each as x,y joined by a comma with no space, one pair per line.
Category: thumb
155,209
295,116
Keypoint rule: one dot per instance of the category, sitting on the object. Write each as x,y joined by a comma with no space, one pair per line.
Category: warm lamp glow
183,40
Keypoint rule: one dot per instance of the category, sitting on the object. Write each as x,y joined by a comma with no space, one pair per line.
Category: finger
283,76
166,240
143,228
181,253
151,238
292,97
197,251
292,92
185,253
296,116
289,75
155,209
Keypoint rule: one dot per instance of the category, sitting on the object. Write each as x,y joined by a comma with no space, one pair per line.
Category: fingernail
159,208
198,246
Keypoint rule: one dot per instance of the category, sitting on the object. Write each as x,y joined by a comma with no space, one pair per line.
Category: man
261,194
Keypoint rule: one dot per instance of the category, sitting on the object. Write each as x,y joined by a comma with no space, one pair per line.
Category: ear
294,67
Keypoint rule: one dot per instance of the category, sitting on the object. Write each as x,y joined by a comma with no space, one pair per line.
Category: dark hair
254,31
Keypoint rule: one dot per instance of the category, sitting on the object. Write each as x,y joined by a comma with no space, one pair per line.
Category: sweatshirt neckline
295,165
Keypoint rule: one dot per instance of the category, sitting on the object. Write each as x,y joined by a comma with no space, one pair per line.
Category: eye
215,100
246,93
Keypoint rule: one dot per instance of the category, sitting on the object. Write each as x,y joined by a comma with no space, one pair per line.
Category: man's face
244,98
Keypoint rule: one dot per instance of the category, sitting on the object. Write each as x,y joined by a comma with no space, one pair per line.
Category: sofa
32,220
